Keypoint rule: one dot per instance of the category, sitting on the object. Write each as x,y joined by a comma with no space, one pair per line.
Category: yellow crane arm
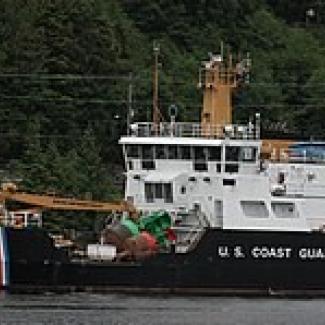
59,203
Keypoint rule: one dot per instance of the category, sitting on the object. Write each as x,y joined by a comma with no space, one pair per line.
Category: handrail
193,130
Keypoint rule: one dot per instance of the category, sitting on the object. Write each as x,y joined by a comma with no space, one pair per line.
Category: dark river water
123,309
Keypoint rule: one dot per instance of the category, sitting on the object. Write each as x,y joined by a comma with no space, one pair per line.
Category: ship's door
218,210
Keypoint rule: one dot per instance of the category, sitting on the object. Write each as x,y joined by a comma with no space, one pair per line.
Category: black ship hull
223,262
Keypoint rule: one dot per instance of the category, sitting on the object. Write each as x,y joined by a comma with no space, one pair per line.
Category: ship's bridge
190,147
176,164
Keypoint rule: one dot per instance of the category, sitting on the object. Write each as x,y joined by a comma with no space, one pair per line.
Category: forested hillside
65,69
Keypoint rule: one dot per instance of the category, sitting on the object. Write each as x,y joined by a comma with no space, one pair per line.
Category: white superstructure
222,176
218,172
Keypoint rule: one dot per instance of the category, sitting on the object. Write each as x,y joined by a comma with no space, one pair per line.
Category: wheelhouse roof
189,141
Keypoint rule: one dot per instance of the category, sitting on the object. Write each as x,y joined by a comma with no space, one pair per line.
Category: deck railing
194,130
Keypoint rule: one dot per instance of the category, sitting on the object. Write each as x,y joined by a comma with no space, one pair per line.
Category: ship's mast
218,77
155,98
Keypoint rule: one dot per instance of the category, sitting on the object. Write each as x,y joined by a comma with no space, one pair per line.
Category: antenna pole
130,108
156,113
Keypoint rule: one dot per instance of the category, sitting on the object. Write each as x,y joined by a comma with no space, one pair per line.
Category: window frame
165,192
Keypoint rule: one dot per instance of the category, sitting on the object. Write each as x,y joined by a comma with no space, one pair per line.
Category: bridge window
172,152
232,153
200,159
214,153
236,153
148,157
184,152
199,153
161,152
284,209
168,193
200,166
147,151
148,164
149,191
231,168
254,209
159,191
132,151
248,153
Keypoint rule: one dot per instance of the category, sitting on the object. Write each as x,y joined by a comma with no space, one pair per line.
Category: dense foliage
66,66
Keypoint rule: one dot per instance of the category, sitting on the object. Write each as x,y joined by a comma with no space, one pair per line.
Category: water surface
112,309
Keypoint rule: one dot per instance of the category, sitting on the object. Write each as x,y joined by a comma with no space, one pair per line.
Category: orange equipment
48,202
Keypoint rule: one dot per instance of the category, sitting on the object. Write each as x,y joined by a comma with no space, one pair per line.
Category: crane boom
60,203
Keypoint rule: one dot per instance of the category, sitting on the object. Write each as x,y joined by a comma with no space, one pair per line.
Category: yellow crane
39,202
